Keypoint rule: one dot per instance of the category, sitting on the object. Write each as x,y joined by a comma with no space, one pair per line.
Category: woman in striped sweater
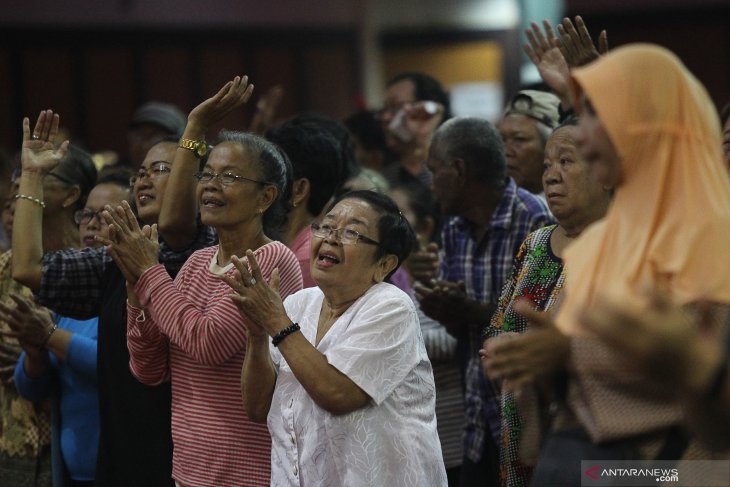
189,331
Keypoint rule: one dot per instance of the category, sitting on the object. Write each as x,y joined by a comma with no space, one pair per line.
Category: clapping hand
133,249
28,322
519,360
256,300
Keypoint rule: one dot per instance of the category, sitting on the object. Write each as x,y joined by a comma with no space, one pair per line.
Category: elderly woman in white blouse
345,386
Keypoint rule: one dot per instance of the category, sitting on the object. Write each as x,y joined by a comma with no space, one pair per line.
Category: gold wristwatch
198,147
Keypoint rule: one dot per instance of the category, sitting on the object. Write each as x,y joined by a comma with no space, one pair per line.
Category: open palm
39,153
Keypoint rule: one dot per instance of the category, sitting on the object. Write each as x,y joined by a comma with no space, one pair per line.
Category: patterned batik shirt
484,266
538,276
25,426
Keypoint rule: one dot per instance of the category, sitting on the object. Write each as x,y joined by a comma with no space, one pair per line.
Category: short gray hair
478,143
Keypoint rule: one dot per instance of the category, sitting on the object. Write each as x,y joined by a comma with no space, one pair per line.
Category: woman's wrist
194,130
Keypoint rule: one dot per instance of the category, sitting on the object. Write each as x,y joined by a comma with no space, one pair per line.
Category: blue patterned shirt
485,266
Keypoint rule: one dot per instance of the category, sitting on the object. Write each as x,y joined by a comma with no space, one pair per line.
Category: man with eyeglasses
415,105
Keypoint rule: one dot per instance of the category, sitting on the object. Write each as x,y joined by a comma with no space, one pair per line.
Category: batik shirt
537,276
25,426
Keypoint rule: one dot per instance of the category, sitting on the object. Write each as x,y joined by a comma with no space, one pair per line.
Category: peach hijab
668,226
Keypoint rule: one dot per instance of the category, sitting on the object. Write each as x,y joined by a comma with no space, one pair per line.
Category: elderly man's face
445,176
524,149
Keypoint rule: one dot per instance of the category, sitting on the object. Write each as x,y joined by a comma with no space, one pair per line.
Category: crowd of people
403,299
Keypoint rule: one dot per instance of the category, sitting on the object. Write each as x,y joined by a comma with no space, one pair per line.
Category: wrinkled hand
256,300
576,44
266,110
9,355
447,303
661,341
28,322
423,264
524,359
39,153
545,54
233,95
133,249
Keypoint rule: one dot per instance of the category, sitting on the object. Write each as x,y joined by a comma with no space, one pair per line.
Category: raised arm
576,44
179,210
38,157
543,51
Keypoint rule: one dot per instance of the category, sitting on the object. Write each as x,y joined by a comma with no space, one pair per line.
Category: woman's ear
384,267
74,193
300,192
267,197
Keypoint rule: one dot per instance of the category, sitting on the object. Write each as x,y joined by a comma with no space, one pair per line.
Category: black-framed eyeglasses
225,178
343,235
156,170
84,217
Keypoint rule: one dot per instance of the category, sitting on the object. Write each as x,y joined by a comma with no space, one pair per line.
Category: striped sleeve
148,348
211,337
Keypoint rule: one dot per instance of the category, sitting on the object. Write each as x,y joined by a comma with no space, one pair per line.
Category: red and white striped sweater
192,334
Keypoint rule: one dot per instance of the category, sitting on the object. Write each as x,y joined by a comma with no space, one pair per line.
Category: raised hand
39,153
545,54
133,249
233,95
266,109
576,44
258,301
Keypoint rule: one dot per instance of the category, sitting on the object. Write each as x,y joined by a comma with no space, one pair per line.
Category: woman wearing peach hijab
650,130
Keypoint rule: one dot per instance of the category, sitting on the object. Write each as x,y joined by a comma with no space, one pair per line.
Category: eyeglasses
225,178
343,235
84,217
154,172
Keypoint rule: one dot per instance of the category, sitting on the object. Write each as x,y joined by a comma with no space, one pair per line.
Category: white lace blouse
392,441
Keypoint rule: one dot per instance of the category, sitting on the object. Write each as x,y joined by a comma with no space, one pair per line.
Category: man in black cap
152,122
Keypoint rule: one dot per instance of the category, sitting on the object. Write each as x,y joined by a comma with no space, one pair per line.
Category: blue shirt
485,266
73,386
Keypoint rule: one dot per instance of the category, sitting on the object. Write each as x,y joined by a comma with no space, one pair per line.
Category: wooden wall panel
278,66
218,65
167,75
48,81
331,93
108,86
97,78
9,132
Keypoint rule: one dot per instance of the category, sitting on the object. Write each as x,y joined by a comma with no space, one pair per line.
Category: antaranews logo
714,473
